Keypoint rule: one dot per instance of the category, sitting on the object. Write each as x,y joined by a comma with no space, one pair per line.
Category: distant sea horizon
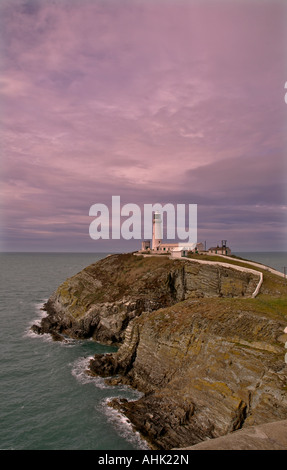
273,259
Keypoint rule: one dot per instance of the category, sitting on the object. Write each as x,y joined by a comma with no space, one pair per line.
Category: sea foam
122,425
80,369
40,313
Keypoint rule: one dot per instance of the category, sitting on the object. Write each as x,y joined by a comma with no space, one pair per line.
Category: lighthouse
156,231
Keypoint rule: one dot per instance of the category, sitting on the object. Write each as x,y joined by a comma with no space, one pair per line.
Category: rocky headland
207,355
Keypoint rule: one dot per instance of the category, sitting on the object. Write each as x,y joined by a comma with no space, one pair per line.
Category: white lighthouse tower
156,231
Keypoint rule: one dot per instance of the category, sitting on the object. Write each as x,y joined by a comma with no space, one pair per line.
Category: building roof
191,246
219,248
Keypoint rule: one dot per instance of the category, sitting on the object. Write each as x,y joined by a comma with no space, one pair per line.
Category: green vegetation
116,276
271,300
235,261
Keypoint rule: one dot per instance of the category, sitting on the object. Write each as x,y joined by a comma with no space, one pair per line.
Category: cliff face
206,368
101,300
208,357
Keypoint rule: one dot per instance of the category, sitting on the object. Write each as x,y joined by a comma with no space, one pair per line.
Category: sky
175,101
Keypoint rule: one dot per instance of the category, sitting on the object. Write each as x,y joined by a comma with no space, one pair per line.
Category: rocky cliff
100,301
208,357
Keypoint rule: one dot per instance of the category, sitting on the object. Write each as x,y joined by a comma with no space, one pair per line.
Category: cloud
243,180
176,102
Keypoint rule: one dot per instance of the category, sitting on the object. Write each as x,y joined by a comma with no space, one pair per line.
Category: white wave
79,370
122,425
31,334
40,313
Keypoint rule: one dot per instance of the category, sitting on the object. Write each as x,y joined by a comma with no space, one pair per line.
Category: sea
47,400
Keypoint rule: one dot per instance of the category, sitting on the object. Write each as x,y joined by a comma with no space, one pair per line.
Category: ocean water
276,259
47,401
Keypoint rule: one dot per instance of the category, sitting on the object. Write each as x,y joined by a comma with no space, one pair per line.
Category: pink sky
155,101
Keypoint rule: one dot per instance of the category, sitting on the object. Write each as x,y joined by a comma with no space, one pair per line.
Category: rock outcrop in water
208,357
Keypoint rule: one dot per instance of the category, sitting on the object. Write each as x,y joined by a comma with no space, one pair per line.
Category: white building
156,231
176,250
180,251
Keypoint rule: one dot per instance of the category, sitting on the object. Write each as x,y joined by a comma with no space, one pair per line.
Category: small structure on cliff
221,250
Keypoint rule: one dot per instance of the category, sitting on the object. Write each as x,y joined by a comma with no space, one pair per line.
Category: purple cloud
152,101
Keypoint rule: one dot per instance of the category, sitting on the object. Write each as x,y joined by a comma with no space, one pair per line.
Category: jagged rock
207,356
40,330
103,298
206,371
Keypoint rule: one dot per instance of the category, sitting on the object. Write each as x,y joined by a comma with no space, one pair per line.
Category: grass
119,274
270,302
235,261
272,298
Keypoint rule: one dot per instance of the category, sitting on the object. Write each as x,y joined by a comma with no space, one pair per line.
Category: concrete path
232,266
219,263
252,263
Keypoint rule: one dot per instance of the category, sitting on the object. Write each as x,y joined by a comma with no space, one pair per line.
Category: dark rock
206,355
102,299
57,337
